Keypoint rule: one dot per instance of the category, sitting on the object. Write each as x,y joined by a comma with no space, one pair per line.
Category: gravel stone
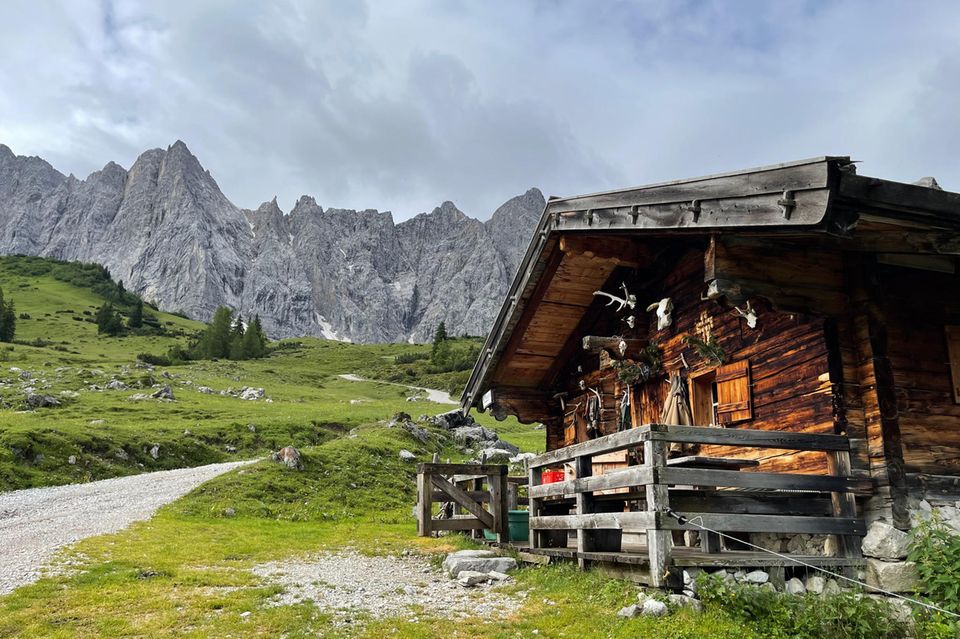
37,522
347,584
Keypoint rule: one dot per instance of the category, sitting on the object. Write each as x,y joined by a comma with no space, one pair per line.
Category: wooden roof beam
622,251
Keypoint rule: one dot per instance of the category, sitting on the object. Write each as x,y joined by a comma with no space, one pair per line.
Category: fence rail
445,483
785,503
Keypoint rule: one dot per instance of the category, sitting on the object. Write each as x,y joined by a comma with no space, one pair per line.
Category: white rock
629,612
484,561
794,587
815,584
899,576
498,576
832,587
883,541
470,578
407,456
72,459
756,577
684,601
654,608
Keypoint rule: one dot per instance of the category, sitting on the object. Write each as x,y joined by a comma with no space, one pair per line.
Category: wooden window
734,401
703,398
953,349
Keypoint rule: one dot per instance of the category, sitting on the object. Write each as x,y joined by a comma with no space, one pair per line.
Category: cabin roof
820,196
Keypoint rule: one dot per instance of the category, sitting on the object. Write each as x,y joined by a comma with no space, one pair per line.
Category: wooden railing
438,483
676,498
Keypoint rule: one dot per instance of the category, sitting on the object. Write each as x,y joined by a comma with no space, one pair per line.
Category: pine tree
104,317
254,340
236,340
441,349
8,319
215,340
136,316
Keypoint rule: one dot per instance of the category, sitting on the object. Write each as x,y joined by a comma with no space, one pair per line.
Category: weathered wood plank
772,481
764,523
462,523
659,541
462,498
630,522
627,478
747,437
424,504
461,469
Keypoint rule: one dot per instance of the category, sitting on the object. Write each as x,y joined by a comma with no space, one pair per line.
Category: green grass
187,572
310,403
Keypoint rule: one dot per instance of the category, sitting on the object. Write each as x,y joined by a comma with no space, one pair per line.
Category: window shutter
733,393
953,348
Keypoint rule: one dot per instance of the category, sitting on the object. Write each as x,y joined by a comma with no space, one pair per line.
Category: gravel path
433,395
37,522
352,586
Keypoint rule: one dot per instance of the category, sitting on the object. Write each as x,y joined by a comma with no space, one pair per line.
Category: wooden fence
439,483
665,497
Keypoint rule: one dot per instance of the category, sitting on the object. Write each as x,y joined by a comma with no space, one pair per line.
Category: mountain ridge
165,228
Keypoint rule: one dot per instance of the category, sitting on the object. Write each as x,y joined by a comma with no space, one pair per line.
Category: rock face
166,230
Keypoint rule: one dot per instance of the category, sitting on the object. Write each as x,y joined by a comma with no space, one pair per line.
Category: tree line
227,337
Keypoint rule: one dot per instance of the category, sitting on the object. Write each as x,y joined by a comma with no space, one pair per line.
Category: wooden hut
796,299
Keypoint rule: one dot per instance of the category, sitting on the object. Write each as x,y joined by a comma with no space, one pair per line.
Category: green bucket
519,523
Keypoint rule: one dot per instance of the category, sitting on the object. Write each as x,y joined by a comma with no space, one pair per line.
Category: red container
552,476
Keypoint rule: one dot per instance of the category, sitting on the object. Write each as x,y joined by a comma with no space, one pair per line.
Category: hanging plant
708,350
649,364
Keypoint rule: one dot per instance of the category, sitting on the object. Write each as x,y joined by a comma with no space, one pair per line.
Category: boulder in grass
654,608
407,456
629,612
483,561
289,457
165,393
36,400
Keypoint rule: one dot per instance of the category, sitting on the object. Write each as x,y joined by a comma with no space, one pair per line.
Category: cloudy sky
401,104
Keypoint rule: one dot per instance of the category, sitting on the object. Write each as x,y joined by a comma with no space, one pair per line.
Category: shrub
778,615
936,550
155,360
410,358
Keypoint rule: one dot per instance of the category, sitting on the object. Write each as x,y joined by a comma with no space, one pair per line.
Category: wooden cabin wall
917,306
788,355
792,388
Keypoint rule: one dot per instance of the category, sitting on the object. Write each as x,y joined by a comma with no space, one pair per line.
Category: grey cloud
404,104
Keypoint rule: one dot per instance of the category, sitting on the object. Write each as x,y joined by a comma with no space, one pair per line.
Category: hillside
108,433
164,227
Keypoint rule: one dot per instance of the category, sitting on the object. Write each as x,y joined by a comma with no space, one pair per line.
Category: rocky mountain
166,230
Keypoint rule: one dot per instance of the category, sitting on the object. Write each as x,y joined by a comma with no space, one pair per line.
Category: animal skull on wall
750,314
664,309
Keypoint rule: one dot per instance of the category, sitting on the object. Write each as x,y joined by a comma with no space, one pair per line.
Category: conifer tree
254,340
108,320
8,319
236,340
215,340
136,316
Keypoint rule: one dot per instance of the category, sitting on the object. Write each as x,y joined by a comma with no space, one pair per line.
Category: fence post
658,501
424,502
498,504
844,505
584,468
534,478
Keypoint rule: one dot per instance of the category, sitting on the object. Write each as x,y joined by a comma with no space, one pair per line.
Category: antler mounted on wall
627,301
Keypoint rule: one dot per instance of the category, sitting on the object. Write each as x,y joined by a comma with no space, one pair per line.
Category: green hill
97,432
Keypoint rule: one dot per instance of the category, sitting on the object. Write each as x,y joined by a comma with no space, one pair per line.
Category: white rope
680,518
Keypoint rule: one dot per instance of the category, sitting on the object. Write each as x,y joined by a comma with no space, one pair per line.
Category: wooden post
658,501
535,477
424,503
498,505
844,505
512,498
584,468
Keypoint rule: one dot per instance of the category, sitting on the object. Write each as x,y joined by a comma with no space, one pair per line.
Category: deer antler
627,301
750,315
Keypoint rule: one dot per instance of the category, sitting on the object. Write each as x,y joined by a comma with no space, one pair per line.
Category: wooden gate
439,483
